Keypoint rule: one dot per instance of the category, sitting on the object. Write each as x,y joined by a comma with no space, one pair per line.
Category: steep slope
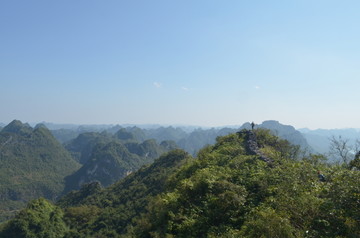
111,161
81,147
32,164
123,201
107,164
229,190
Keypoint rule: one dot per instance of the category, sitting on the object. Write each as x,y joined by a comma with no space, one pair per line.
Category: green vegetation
40,219
119,204
81,147
227,191
109,158
32,164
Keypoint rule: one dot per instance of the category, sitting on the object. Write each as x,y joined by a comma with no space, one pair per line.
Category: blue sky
206,63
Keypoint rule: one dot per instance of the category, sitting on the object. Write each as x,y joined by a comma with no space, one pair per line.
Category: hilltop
248,184
107,158
32,164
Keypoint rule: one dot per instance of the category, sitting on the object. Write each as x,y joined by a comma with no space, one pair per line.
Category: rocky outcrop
285,132
252,145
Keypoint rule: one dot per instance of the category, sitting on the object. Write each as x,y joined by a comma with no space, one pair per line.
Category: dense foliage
40,219
32,164
107,158
82,146
227,191
117,205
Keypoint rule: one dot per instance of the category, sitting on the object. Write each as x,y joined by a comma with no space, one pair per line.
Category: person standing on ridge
321,177
252,125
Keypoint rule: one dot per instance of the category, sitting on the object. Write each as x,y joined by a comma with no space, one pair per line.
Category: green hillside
249,184
107,158
81,147
32,164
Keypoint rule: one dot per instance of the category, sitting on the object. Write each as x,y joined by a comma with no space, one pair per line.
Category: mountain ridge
228,190
32,164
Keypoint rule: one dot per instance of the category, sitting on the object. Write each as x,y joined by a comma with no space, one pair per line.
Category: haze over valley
203,119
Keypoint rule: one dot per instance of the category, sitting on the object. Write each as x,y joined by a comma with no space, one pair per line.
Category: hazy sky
208,63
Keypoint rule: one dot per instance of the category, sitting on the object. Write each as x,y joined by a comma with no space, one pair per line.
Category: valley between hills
130,181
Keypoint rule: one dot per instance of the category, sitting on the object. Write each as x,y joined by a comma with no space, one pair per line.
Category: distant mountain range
191,138
248,184
35,161
110,155
320,139
34,164
107,158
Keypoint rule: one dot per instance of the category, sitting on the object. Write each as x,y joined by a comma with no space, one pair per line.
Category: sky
203,62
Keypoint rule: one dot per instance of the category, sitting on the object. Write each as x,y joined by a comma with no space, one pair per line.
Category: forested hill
114,160
32,164
229,190
107,158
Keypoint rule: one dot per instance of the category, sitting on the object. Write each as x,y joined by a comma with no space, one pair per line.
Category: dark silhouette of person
321,177
252,125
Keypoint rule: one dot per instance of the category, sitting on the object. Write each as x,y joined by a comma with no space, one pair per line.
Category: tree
340,147
41,219
355,163
343,149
